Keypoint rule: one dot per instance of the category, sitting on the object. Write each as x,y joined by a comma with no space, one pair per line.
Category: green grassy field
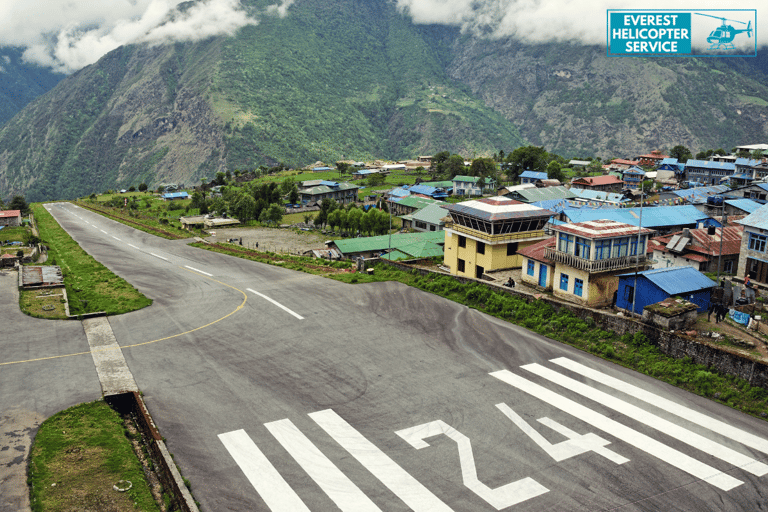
78,455
91,286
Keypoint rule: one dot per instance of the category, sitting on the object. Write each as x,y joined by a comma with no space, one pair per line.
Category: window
603,249
564,282
620,246
530,267
633,245
460,265
578,286
511,248
582,248
565,241
629,293
480,248
728,267
462,241
757,242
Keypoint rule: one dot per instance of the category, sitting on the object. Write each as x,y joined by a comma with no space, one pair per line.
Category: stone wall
672,344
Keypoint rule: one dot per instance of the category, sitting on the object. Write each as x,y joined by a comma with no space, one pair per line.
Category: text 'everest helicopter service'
722,37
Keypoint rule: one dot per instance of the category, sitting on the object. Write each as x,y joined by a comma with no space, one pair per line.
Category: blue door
542,275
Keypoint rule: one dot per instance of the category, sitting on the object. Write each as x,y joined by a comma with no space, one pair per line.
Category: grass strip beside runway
91,287
79,455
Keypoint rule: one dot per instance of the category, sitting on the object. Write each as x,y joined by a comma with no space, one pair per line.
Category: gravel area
281,240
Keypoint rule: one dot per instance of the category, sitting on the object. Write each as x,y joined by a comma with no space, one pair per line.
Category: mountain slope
21,83
354,79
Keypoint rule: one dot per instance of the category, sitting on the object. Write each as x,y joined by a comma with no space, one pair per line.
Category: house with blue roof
652,286
532,177
172,196
633,177
753,170
740,206
664,219
753,257
709,172
756,191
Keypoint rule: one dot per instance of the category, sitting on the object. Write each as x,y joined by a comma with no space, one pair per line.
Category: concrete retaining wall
671,344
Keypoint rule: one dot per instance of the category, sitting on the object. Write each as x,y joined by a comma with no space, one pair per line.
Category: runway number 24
525,488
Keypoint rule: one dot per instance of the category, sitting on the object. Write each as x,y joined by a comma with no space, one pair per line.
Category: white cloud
538,21
68,35
281,8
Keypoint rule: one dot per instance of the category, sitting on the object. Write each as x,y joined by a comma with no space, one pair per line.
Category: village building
429,218
486,234
663,219
633,177
588,257
534,194
653,286
699,249
652,159
342,193
619,164
605,183
10,218
532,177
538,271
753,257
708,172
470,185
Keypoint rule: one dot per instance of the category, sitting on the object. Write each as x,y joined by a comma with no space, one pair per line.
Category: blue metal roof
677,280
423,189
175,195
701,191
399,192
763,186
748,162
757,219
331,184
653,217
598,195
747,205
709,164
535,175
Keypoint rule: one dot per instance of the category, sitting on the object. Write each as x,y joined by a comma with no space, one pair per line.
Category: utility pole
637,256
723,220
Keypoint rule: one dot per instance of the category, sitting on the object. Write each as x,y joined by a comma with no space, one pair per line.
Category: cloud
69,35
537,21
280,9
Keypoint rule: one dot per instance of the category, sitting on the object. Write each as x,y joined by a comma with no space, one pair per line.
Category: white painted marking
570,434
272,488
637,439
667,427
200,271
276,303
499,498
113,236
103,231
156,256
407,488
345,494
575,445
715,425
131,245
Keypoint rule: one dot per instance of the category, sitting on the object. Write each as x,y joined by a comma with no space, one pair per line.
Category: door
542,275
479,271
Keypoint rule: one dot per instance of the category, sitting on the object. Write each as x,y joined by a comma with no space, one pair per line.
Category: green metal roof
422,249
431,214
381,243
438,184
418,202
531,195
324,189
396,255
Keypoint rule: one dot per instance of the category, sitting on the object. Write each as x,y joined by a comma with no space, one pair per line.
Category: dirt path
282,240
728,328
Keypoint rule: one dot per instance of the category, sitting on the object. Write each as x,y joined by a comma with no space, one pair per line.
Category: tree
271,215
375,180
342,167
286,186
555,171
132,189
438,160
293,196
454,166
244,208
18,203
354,218
680,152
143,187
220,179
484,167
527,158
308,218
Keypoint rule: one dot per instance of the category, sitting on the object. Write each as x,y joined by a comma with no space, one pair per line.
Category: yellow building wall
598,289
495,257
534,279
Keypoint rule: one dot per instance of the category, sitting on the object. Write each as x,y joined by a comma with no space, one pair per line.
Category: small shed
656,285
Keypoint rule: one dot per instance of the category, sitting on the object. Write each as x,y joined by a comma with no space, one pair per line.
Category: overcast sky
67,35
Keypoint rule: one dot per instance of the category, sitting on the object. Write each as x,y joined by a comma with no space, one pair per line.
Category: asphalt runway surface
282,391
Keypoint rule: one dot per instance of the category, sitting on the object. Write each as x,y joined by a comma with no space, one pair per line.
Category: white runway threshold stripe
276,304
345,494
630,436
397,480
684,435
270,485
715,425
199,271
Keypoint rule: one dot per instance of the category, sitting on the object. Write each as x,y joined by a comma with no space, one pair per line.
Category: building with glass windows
588,257
753,257
486,234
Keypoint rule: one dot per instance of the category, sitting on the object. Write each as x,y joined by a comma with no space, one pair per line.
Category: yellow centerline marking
238,308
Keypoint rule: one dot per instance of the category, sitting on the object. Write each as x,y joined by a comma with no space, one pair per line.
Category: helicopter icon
722,37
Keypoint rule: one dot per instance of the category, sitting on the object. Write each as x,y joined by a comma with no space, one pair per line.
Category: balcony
595,266
497,239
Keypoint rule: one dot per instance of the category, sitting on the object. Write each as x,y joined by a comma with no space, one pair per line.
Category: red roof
10,213
536,251
707,245
621,161
601,228
655,154
598,180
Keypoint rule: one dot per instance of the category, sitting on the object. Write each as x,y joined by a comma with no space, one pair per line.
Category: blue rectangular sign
649,33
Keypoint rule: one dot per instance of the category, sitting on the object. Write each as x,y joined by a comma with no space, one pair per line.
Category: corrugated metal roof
421,249
598,195
677,280
747,205
757,219
597,180
710,164
10,213
431,214
602,228
534,175
380,243
536,251
531,195
417,201
653,217
701,191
